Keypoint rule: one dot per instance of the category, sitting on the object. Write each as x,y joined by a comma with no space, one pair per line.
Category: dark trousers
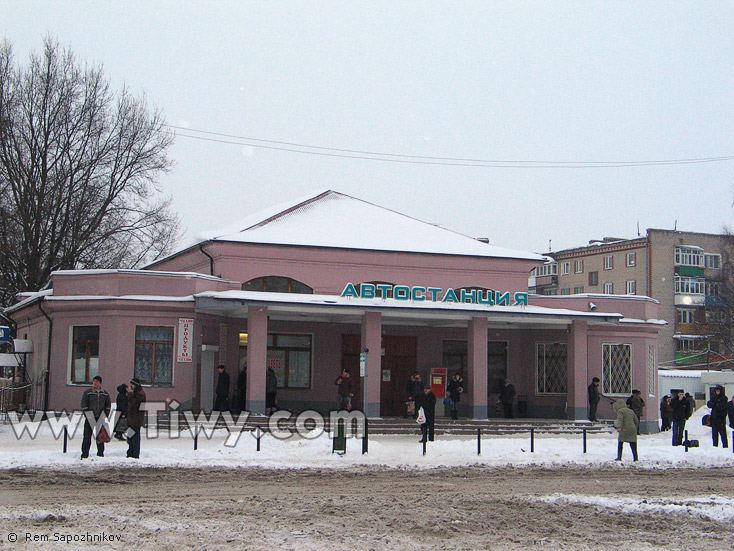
87,441
454,409
133,443
592,410
719,429
507,407
427,428
221,404
633,447
665,425
679,428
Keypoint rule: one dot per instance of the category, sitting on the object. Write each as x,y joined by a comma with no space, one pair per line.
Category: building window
608,262
713,289
566,291
689,256
565,268
632,287
617,369
545,270
688,345
154,355
712,261
652,371
593,278
277,284
631,259
85,354
578,290
578,266
551,368
685,315
550,292
290,358
609,288
690,285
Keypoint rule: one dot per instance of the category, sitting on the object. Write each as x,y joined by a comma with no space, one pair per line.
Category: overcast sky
558,82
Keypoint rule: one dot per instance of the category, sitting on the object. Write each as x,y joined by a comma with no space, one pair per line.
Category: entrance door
207,379
496,374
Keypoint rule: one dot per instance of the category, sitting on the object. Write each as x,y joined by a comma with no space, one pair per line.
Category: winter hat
135,382
97,378
121,388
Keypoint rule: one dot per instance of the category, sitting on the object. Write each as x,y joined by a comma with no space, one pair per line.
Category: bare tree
720,308
79,168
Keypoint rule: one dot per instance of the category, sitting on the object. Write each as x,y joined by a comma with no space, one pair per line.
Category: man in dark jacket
95,403
636,404
719,405
271,390
681,411
730,412
135,417
455,388
428,402
221,402
414,389
345,393
666,414
121,407
506,397
594,398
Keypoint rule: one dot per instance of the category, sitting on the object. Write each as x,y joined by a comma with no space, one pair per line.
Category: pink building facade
291,292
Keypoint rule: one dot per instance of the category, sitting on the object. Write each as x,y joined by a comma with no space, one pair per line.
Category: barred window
617,368
551,368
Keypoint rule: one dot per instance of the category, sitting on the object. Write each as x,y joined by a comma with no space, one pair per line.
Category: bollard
196,439
258,436
66,435
365,438
479,441
532,440
685,442
424,447
584,440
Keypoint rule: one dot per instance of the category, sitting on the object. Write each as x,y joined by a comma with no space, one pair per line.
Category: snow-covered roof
332,219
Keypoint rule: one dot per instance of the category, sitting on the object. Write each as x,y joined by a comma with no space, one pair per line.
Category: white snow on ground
716,508
655,451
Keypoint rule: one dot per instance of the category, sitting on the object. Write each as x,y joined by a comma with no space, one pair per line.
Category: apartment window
546,270
290,358
632,287
609,288
578,290
713,289
566,291
551,368
712,261
154,355
685,315
688,345
85,354
689,256
549,292
565,268
631,259
593,278
617,369
578,266
690,285
608,262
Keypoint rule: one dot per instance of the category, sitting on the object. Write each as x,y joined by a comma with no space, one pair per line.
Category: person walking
271,390
427,401
681,412
506,398
121,407
628,424
135,417
344,392
594,398
221,403
666,413
636,404
95,403
719,405
454,389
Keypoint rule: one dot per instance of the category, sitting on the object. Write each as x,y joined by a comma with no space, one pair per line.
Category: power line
422,159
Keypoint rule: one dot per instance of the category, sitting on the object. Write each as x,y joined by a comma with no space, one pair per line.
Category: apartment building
681,270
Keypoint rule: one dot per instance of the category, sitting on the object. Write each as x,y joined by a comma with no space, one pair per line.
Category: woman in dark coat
719,405
666,413
121,406
455,388
427,401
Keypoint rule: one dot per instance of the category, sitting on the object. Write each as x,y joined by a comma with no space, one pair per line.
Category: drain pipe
210,257
48,358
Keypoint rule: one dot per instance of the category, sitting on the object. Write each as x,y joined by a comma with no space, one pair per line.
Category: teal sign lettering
435,294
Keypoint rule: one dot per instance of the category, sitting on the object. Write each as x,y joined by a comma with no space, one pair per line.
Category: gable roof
332,219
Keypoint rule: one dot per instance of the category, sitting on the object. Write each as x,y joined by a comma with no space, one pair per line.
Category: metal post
365,438
685,443
479,441
66,436
532,440
424,447
258,436
584,440
196,438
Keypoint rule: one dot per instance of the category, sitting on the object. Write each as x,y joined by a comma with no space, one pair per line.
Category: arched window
277,284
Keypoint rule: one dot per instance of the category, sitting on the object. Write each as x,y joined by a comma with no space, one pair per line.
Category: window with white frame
85,354
686,315
631,287
631,259
617,369
609,288
652,372
689,256
608,262
712,261
565,268
688,345
578,266
546,270
690,285
551,368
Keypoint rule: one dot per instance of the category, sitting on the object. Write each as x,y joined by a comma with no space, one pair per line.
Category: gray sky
507,81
